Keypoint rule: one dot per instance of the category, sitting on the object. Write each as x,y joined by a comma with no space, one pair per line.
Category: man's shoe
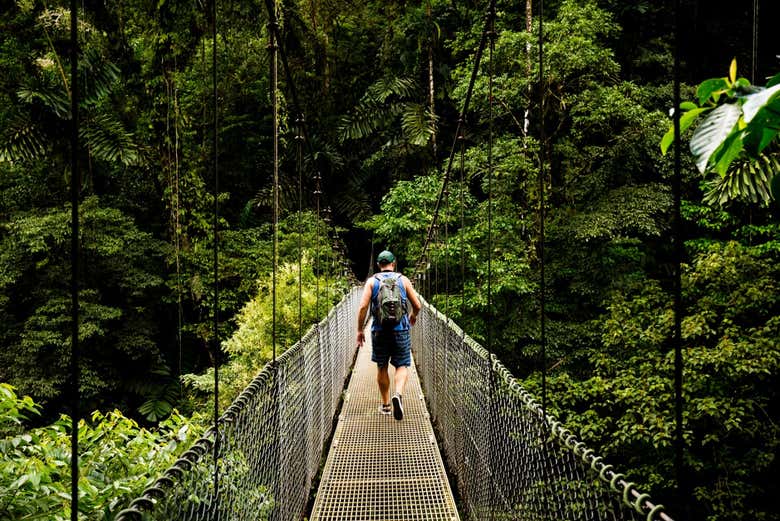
398,408
385,409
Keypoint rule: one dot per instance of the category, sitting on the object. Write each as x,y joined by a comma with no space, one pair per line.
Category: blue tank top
404,324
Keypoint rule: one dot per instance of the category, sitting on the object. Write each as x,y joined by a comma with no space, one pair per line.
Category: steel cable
75,186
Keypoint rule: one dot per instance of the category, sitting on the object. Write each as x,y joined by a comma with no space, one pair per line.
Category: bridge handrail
173,475
629,495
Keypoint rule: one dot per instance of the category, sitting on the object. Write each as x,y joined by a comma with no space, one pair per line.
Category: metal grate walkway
380,469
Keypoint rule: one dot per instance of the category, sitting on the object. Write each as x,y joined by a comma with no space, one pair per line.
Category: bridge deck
378,468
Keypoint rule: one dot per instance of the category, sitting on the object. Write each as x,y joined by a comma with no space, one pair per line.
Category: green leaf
712,132
685,121
709,87
755,102
688,105
726,153
667,140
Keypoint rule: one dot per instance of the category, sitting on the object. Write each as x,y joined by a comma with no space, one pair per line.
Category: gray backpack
389,306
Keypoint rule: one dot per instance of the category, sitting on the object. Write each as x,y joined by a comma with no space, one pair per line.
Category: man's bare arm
365,300
412,295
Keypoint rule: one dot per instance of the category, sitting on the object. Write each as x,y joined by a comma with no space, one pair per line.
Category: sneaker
398,408
385,409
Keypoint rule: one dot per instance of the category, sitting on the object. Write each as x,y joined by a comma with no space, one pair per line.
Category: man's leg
383,379
401,374
402,359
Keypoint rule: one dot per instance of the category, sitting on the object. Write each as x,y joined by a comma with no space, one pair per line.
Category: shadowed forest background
381,85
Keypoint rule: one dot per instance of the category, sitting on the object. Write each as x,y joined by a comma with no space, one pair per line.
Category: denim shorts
392,346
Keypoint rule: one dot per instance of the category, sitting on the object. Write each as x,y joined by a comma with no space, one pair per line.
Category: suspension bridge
474,444
507,459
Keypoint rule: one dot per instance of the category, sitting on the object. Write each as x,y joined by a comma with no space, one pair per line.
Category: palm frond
417,123
53,97
383,101
99,77
367,118
107,139
21,141
746,180
381,90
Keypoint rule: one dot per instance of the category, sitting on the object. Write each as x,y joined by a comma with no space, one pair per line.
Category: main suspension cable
461,117
75,185
304,129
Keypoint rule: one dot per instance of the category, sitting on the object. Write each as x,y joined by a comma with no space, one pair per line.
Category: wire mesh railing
270,439
509,459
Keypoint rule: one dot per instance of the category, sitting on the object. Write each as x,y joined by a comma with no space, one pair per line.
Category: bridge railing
270,439
509,459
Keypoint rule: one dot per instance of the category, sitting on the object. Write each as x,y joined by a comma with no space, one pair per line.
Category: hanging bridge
508,460
474,445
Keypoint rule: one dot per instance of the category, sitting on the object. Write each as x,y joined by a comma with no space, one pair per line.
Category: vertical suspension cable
299,168
464,110
177,234
678,254
754,63
215,167
491,47
317,195
462,140
329,266
75,185
542,282
272,48
447,254
493,383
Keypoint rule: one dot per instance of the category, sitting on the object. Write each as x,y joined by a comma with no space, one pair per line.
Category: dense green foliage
118,459
381,84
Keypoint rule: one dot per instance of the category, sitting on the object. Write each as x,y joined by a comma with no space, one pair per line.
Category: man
390,344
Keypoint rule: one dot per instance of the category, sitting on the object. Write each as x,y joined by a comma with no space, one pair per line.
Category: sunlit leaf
712,132
755,102
733,71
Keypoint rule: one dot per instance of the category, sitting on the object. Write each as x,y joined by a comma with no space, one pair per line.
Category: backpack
389,306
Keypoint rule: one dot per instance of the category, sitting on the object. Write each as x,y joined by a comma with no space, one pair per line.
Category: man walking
389,294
